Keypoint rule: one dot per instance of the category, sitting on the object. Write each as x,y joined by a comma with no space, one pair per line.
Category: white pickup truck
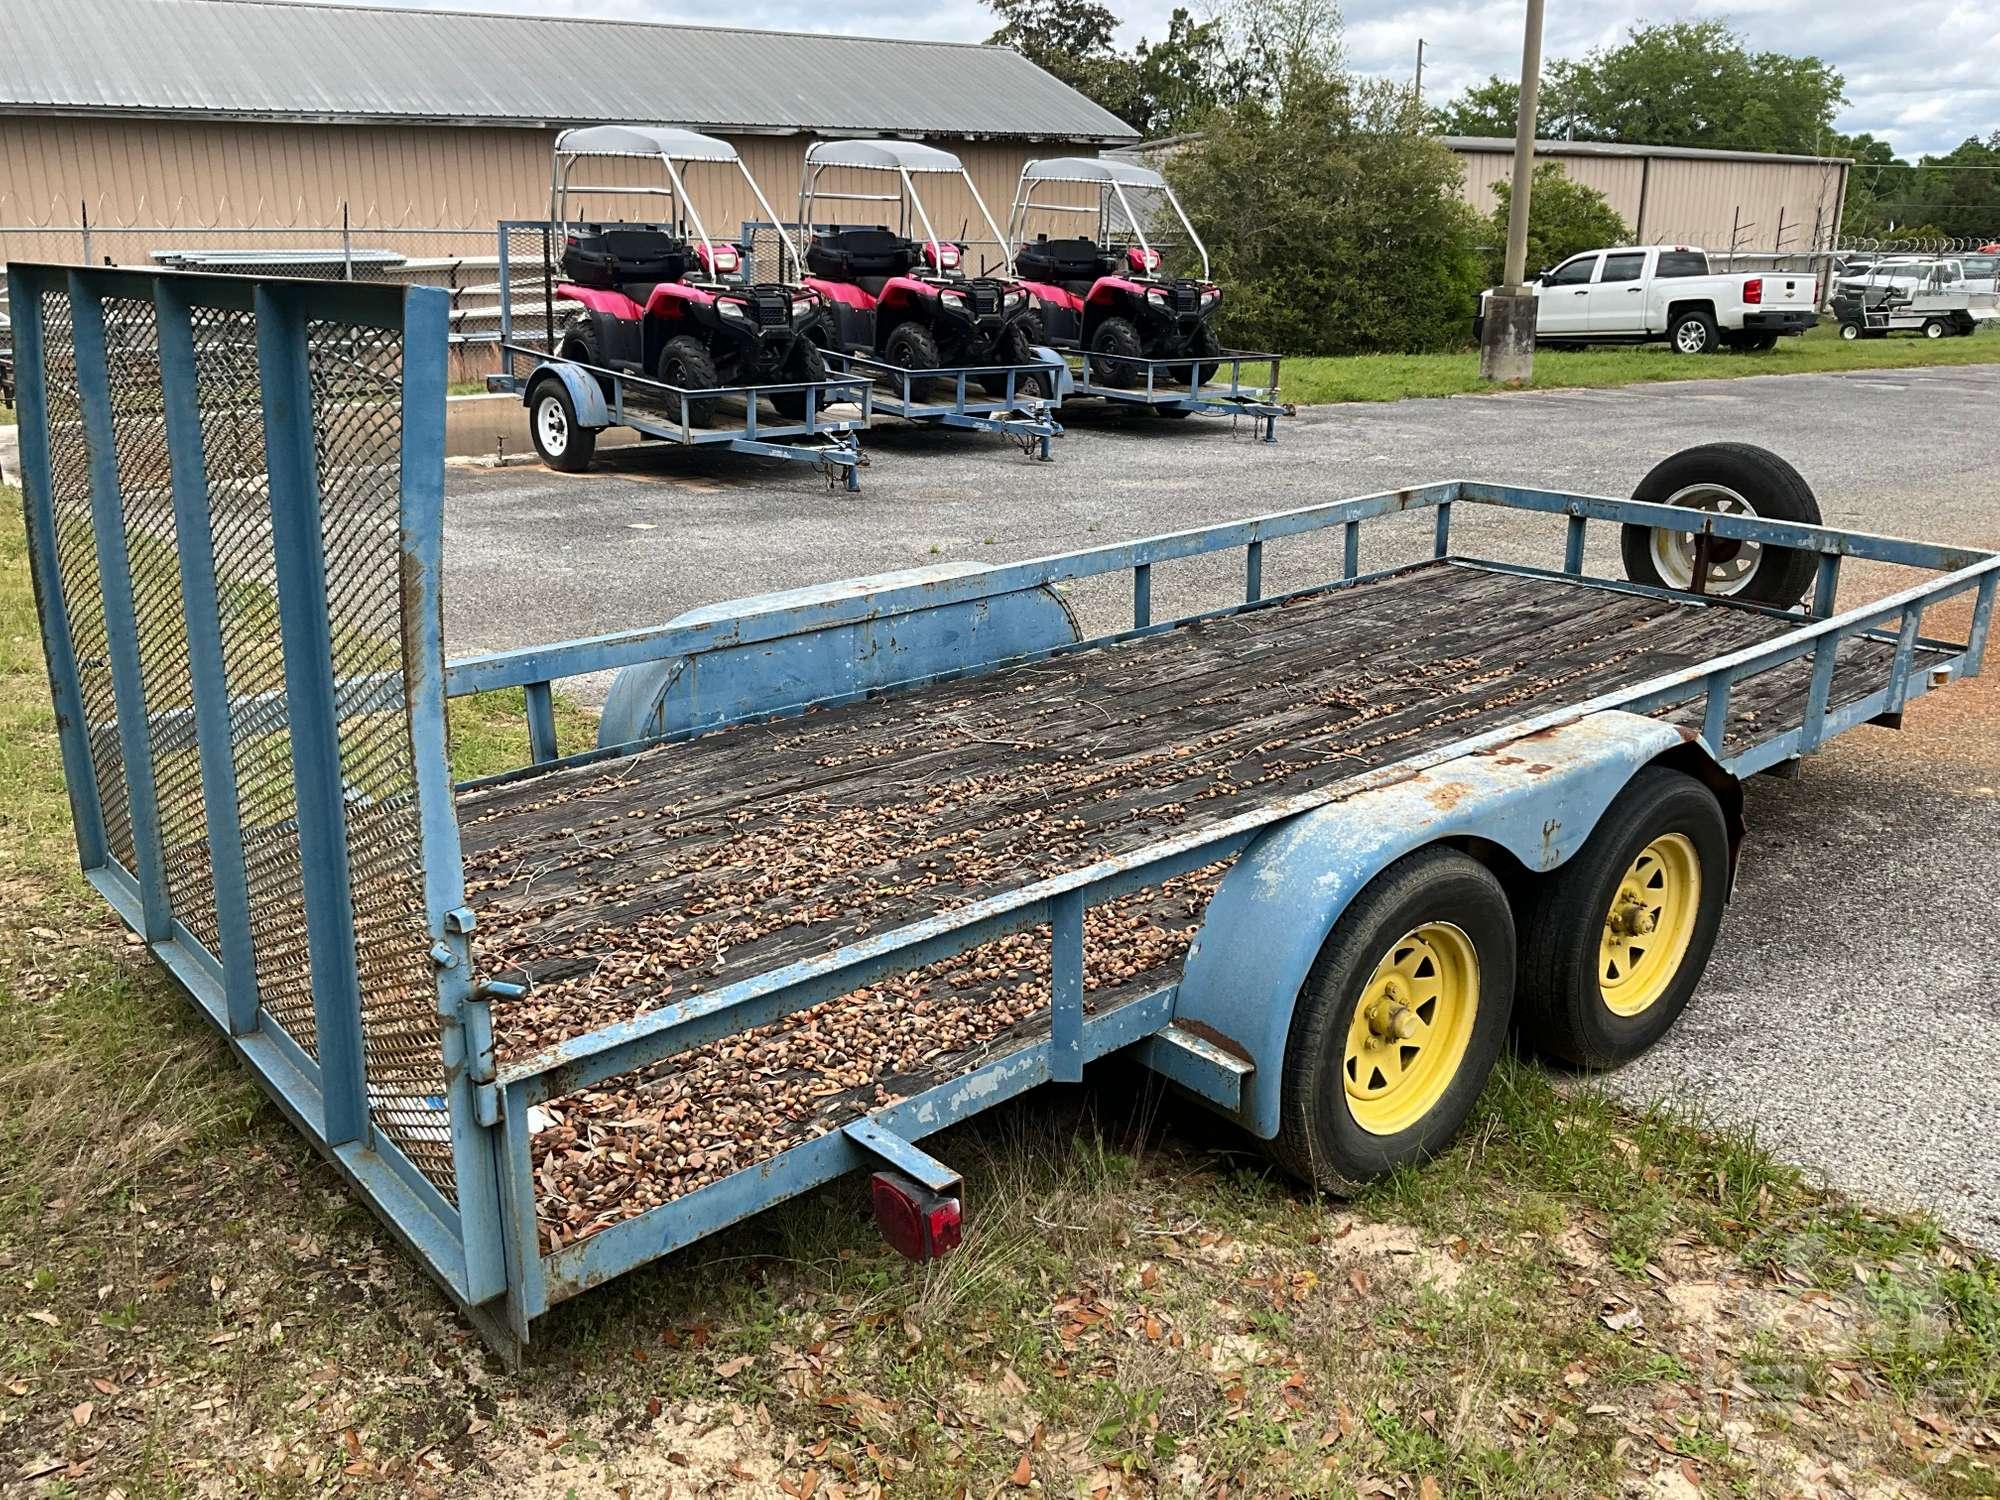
1635,294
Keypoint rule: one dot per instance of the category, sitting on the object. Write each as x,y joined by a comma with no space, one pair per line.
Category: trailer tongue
852,863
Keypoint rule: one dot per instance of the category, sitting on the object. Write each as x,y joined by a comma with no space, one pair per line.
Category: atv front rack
956,396
1169,385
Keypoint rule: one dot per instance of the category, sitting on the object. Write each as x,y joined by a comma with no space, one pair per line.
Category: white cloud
1924,74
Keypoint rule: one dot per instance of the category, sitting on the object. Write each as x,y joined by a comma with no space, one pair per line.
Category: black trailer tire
910,346
1116,336
1734,477
1171,410
1693,333
1851,331
1936,328
562,443
806,363
686,362
1595,989
1434,929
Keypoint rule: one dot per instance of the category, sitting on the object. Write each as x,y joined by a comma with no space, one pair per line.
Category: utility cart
1932,298
655,326
851,863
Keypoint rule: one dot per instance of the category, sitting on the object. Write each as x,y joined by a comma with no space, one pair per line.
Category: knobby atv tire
578,343
686,362
806,363
1117,336
1771,487
1318,1140
577,445
1560,1008
1205,344
1016,349
910,346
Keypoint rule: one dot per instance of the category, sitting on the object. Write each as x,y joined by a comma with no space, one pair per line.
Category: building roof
275,60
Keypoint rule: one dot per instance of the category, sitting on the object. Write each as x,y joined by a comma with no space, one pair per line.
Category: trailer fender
1062,380
1537,797
585,394
827,663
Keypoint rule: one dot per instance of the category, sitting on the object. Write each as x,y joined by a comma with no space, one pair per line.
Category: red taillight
918,1223
1753,289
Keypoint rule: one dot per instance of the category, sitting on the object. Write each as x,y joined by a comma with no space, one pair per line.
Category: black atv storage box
621,257
1063,260
843,254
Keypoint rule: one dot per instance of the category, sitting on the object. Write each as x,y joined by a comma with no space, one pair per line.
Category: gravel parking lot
1852,1016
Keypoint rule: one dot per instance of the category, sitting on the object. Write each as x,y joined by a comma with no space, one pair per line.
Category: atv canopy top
672,149
1118,183
902,158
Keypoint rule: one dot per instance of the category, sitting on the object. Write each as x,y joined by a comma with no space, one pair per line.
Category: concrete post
1507,333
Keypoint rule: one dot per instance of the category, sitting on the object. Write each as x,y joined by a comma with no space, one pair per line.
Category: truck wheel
1733,479
1117,336
807,363
911,347
1936,328
1693,333
1614,942
685,362
1399,1022
563,443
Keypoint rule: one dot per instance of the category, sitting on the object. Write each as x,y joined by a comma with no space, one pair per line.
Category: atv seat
866,257
1063,261
632,260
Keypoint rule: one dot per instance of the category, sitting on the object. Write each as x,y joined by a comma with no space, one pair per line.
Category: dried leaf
730,1369
1023,1475
82,1413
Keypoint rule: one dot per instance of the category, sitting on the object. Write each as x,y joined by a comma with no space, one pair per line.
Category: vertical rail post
1066,987
1142,596
1982,625
541,704
1715,713
1906,650
1826,585
306,637
1253,572
24,299
1441,541
208,674
1826,654
465,1029
1350,549
1573,546
506,301
121,621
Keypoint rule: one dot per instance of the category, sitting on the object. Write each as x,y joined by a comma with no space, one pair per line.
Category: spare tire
1733,479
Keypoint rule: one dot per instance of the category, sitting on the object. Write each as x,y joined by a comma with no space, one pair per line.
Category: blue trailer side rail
1015,411
614,398
234,495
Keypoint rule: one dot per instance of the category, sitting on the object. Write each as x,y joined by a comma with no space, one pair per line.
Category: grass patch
192,1302
1393,377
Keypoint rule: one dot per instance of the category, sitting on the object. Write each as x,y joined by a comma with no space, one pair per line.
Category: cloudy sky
1924,74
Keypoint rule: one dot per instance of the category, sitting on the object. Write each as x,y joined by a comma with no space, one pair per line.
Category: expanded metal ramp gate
234,494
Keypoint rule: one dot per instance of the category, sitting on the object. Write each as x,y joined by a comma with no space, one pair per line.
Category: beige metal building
1720,200
249,124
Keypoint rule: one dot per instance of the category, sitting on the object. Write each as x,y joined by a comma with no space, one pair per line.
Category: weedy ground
1575,1300
1392,377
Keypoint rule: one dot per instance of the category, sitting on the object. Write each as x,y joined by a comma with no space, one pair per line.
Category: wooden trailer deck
613,888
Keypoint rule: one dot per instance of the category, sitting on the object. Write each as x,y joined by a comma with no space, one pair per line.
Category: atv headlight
1157,297
1210,297
952,300
804,307
730,309
1012,299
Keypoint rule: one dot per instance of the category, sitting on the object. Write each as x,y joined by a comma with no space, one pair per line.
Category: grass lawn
1573,1299
1392,377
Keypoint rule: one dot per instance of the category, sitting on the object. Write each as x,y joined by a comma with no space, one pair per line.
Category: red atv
908,299
666,301
1106,293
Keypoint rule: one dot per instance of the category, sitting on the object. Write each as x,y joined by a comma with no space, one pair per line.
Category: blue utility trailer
1292,851
570,401
1016,401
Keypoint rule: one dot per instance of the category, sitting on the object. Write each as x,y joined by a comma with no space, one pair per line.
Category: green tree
1075,41
1190,71
1332,222
1687,83
1563,218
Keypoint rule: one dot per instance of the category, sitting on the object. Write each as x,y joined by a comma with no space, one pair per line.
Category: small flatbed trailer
852,863
1174,388
1022,407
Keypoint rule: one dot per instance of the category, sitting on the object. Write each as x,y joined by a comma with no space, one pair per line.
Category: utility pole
1420,73
1507,335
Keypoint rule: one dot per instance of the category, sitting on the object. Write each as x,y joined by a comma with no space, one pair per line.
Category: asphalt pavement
1851,1015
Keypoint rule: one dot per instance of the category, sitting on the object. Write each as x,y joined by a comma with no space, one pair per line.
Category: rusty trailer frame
234,495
